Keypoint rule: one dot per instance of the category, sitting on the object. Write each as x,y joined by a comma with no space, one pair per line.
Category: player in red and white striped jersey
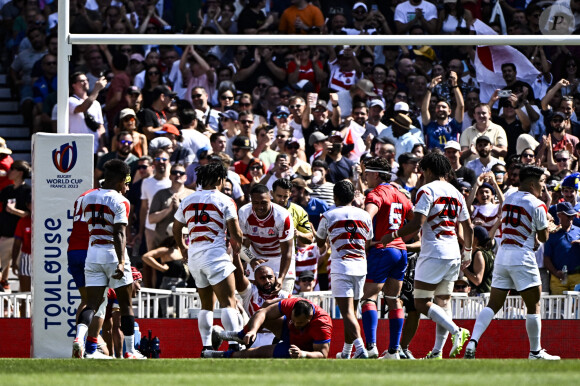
269,233
106,213
524,219
439,210
208,214
349,230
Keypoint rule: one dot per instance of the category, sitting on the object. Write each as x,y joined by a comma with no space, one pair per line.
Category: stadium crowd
291,124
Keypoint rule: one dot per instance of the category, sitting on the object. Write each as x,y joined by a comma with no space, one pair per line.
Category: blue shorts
76,266
282,349
386,263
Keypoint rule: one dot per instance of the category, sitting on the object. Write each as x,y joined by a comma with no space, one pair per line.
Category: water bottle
565,275
137,335
155,348
355,173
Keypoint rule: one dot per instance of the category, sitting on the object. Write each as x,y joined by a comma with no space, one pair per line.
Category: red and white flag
354,136
488,61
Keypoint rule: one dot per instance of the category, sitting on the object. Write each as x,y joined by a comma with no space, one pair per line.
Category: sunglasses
257,167
226,98
296,106
295,147
280,136
247,122
502,172
282,115
195,96
528,155
307,280
142,167
130,119
161,159
245,104
177,173
126,142
284,95
153,73
562,159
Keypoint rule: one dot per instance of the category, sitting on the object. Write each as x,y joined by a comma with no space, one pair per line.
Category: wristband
302,354
396,234
335,105
467,249
454,86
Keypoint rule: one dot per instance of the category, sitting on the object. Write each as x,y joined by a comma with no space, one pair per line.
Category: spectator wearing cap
569,188
134,98
317,141
483,127
317,120
242,149
321,187
306,281
563,250
565,105
301,195
374,122
5,164
115,100
514,120
452,152
244,123
339,167
180,154
360,91
281,118
481,202
415,12
300,18
345,70
192,138
264,139
400,133
153,78
424,58
479,272
442,127
300,167
123,152
128,122
485,161
408,173
136,65
153,118
81,103
209,117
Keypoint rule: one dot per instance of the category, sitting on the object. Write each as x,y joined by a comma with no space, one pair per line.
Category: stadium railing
10,304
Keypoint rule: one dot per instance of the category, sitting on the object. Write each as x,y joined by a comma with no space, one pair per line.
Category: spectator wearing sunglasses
292,149
123,153
128,122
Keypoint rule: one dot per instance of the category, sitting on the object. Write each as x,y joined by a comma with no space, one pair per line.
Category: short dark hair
513,66
530,172
120,61
320,164
437,163
378,163
283,183
210,174
259,189
343,192
187,116
215,136
116,170
122,134
302,307
22,166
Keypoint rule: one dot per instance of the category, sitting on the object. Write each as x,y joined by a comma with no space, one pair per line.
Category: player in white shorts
524,219
439,209
106,213
208,214
269,235
350,230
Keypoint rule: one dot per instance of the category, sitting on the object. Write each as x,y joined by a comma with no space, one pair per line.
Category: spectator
154,117
462,173
339,167
123,153
485,161
128,122
407,175
115,101
301,18
315,207
5,164
180,155
252,19
209,117
300,167
569,188
281,169
453,18
361,91
192,138
321,188
480,270
483,126
399,133
316,126
306,65
22,250
563,250
415,12
345,70
217,142
197,75
264,139
153,78
514,121
44,93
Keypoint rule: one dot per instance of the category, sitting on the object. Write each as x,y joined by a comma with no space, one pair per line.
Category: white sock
204,323
441,335
130,343
439,316
230,319
346,350
534,328
483,320
82,330
358,345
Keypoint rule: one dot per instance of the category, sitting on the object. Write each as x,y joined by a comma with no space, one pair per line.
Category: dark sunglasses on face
226,98
161,159
154,73
247,122
528,155
257,167
177,173
295,147
296,106
195,96
245,104
142,167
280,136
307,280
282,115
126,142
562,160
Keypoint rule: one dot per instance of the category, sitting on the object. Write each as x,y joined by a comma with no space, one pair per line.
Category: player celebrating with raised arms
438,210
350,231
386,263
106,212
524,219
208,214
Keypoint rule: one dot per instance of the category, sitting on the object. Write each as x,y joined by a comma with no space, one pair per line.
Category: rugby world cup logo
65,158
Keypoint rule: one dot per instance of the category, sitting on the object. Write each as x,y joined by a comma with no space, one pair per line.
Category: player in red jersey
524,218
439,210
387,263
304,330
208,214
106,212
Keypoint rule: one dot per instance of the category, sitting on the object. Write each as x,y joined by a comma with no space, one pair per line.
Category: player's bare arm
177,235
319,351
235,233
286,258
269,313
411,227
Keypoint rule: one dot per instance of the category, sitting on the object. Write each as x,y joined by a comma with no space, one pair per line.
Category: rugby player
208,214
350,231
304,330
386,263
524,219
438,209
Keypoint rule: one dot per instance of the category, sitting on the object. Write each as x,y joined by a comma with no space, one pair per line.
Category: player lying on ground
304,330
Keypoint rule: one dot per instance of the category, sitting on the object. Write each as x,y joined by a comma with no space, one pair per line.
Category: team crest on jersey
65,158
255,229
271,232
260,301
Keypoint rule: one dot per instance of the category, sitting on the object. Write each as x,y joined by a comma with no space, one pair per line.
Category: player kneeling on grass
350,230
524,218
438,210
304,330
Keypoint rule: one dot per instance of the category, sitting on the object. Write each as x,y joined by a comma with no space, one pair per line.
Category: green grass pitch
287,372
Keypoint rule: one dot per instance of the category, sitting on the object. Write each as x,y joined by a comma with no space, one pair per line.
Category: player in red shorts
304,330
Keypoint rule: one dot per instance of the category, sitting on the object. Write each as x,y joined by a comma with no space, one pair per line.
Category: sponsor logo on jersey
271,232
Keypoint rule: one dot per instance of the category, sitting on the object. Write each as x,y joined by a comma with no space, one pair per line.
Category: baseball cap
159,143
426,52
367,86
566,208
138,57
3,148
127,112
401,106
453,145
558,114
322,103
526,141
360,4
317,136
377,102
132,90
292,140
307,275
408,157
335,133
168,128
281,110
242,142
162,89
230,114
488,186
299,182
483,138
461,280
